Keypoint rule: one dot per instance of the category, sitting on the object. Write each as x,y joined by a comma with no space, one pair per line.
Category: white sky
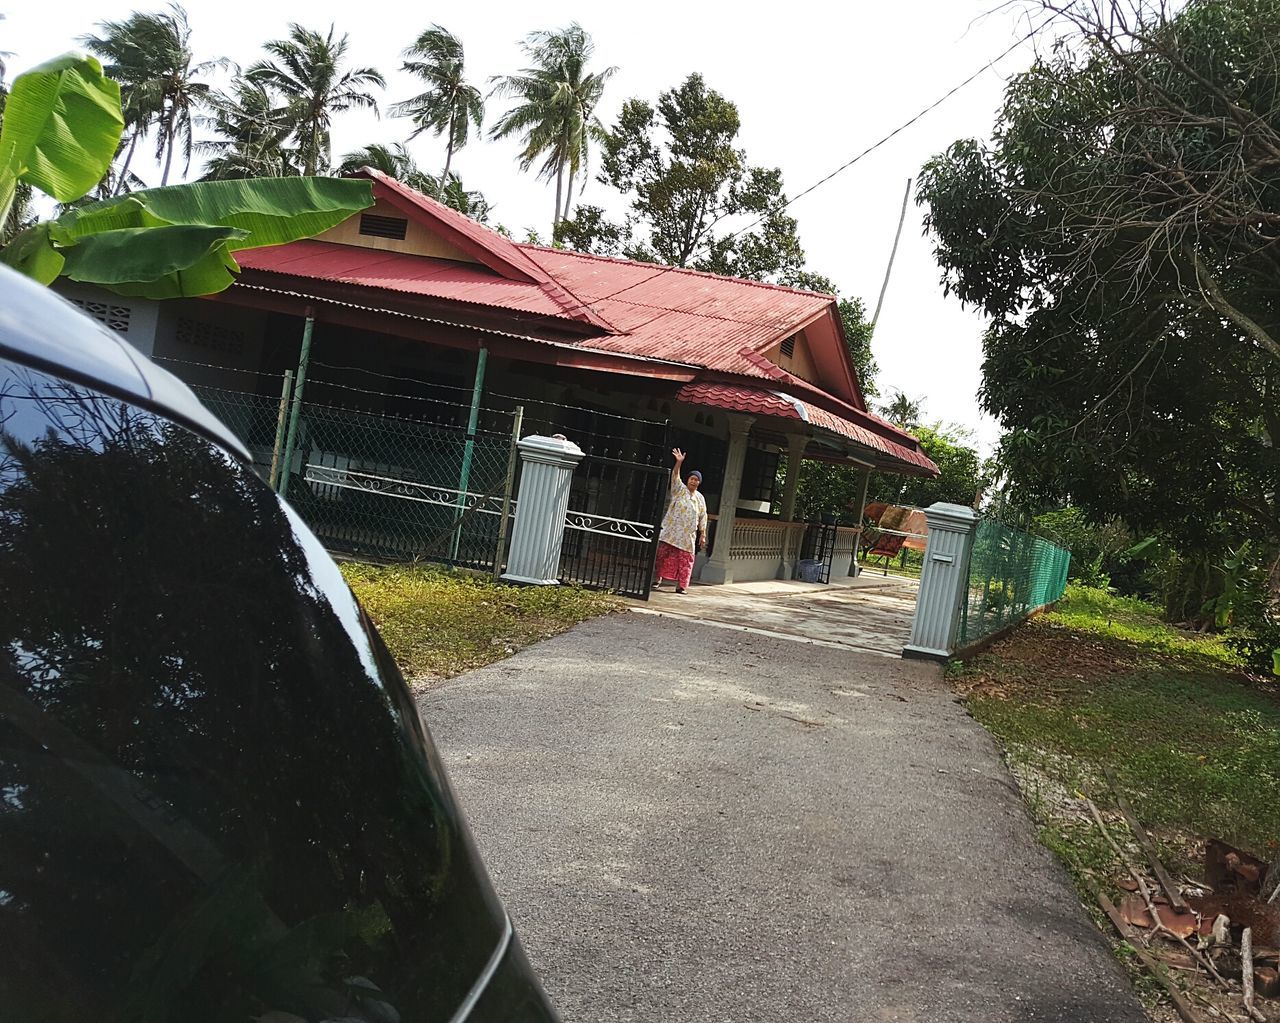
814,84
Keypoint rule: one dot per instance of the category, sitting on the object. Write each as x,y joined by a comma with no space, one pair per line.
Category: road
689,823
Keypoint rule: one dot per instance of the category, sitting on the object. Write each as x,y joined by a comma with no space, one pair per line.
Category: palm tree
308,74
252,133
451,104
393,160
396,161
149,54
555,112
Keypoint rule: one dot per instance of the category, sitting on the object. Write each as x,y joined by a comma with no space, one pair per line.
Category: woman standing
684,528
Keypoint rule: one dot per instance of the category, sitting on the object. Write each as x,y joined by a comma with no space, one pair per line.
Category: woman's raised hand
678,455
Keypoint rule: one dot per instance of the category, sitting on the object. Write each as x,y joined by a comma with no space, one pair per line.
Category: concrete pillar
719,569
796,444
546,472
944,582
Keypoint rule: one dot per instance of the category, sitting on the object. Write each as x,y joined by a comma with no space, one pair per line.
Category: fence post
468,448
513,455
282,418
543,499
944,581
286,465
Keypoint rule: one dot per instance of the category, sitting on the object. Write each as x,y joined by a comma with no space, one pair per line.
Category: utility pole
889,269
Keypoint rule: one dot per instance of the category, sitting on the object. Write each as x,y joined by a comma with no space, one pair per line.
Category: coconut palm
393,160
451,104
396,161
251,134
150,55
308,74
554,116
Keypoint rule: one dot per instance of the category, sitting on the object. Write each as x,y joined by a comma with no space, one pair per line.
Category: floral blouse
686,516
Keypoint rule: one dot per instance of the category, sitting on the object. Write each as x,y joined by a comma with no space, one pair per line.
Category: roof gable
478,243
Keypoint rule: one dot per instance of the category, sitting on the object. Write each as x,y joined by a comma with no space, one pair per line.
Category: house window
114,316
199,334
375,226
789,347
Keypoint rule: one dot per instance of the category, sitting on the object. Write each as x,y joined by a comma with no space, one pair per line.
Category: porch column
795,455
718,568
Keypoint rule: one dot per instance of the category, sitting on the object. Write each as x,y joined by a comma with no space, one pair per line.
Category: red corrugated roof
721,324
779,405
402,272
684,315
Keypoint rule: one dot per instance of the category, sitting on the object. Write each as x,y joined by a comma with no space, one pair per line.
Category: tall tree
554,116
451,104
680,164
251,134
308,71
1120,232
150,55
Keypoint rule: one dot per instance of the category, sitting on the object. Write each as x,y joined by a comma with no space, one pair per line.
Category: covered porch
751,495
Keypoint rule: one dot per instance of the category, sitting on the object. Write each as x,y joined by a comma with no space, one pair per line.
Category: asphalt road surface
689,823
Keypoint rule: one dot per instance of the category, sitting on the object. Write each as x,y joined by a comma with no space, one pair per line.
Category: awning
880,450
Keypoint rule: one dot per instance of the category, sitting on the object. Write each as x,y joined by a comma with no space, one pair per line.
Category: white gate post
546,472
944,582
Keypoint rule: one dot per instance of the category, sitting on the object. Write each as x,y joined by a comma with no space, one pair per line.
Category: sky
815,84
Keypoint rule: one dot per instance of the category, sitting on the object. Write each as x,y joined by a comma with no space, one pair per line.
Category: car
217,799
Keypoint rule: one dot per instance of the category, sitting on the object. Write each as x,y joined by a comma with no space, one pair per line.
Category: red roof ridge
668,268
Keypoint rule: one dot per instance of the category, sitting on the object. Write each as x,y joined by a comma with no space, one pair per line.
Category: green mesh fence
251,417
1011,574
380,486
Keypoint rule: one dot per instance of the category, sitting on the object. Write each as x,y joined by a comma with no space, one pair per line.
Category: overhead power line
896,131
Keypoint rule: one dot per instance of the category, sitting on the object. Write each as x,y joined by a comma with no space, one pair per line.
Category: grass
1101,682
437,623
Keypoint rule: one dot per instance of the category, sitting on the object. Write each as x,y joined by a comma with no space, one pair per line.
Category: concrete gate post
944,581
546,473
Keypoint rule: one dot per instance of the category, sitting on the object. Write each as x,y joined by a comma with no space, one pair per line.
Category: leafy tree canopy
1119,231
680,164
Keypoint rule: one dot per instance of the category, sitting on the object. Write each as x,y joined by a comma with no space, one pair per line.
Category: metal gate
819,545
611,528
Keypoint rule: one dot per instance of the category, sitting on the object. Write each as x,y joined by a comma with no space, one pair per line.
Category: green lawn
438,623
1102,682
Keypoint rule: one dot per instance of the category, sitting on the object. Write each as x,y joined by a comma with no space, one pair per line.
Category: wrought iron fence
1011,574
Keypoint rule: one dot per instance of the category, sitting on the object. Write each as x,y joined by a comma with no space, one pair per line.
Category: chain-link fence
1011,574
381,486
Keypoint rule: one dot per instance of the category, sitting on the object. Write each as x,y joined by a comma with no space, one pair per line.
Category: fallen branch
1157,923
1148,847
1179,1000
1246,974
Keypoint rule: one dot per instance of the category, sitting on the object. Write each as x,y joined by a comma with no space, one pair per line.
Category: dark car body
217,800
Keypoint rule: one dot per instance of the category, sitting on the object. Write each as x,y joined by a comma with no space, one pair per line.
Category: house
411,300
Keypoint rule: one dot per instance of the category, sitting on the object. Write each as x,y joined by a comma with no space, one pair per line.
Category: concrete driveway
689,823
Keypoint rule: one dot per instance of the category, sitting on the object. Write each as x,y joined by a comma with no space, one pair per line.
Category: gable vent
789,347
383,227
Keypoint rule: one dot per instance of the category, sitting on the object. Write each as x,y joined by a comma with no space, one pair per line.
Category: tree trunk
568,198
128,159
168,138
448,159
555,221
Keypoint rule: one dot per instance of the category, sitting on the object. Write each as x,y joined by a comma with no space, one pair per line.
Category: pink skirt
673,563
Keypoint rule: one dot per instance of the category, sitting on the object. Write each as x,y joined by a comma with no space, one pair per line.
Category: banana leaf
62,124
